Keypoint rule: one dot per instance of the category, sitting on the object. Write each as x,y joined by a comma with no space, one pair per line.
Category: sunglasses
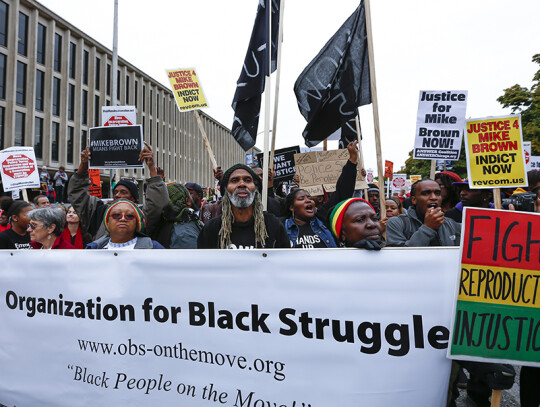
32,226
126,216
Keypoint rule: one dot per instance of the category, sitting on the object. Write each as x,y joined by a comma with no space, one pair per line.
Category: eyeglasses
126,216
32,226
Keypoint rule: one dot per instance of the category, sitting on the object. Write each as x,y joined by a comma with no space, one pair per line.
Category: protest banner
19,168
283,162
497,311
495,153
118,116
388,169
95,187
187,89
370,176
115,147
527,154
321,169
415,178
439,124
299,331
535,162
398,182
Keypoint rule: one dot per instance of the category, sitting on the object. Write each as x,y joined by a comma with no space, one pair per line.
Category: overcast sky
482,46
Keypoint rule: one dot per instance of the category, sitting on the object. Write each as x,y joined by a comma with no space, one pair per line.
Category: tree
423,167
527,102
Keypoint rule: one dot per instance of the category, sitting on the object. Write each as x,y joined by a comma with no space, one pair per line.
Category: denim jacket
318,228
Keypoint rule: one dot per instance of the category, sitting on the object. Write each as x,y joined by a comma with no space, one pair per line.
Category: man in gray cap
242,224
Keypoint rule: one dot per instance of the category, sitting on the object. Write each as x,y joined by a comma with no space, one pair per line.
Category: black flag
335,83
250,84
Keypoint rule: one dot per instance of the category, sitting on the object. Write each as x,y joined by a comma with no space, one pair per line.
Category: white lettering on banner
261,327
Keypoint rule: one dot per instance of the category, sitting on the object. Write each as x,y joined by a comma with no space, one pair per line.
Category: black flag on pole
250,84
335,83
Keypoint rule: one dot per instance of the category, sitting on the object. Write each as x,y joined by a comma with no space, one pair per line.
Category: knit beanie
225,179
336,216
132,188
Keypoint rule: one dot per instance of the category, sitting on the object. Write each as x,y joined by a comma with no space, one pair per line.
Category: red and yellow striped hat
336,216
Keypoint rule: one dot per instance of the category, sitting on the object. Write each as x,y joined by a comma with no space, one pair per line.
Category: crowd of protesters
177,216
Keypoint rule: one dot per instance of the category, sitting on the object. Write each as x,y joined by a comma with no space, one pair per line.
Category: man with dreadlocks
242,224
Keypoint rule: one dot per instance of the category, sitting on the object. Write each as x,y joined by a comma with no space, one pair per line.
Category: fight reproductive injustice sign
439,124
115,147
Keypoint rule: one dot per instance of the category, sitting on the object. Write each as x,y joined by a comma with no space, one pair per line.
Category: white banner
18,168
527,154
534,162
439,124
239,328
118,115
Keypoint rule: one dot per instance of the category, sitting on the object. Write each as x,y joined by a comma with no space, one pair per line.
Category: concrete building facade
54,80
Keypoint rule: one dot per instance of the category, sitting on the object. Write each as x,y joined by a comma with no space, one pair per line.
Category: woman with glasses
46,226
125,223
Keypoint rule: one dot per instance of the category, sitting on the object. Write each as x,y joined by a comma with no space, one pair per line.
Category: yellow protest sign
187,89
495,153
415,178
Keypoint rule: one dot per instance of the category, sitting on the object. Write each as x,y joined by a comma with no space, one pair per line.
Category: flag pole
375,106
267,107
278,76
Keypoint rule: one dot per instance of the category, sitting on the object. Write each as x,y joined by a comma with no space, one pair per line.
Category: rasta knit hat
336,216
139,216
225,179
133,189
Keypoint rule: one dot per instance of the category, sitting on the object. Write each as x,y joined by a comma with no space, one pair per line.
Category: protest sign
370,176
495,153
321,169
388,169
439,124
298,331
283,162
527,154
95,187
415,178
19,168
535,162
115,147
398,182
187,89
118,116
497,312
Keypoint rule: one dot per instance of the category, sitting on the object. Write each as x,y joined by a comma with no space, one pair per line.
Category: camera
523,202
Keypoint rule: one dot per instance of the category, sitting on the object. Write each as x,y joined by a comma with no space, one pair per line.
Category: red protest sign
118,121
18,166
95,178
388,169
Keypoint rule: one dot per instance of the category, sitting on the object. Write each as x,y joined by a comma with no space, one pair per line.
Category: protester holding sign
242,225
424,223
17,237
355,223
92,209
46,226
125,223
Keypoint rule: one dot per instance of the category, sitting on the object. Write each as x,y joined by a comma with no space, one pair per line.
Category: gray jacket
408,230
143,242
86,205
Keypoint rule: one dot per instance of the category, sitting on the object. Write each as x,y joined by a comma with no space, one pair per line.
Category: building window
151,101
70,135
19,129
57,52
127,90
83,139
22,45
150,135
144,98
97,108
136,92
84,107
118,85
71,102
2,76
144,128
157,136
72,59
20,94
56,97
3,23
1,128
38,138
157,106
55,136
41,41
108,79
97,72
85,67
40,81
